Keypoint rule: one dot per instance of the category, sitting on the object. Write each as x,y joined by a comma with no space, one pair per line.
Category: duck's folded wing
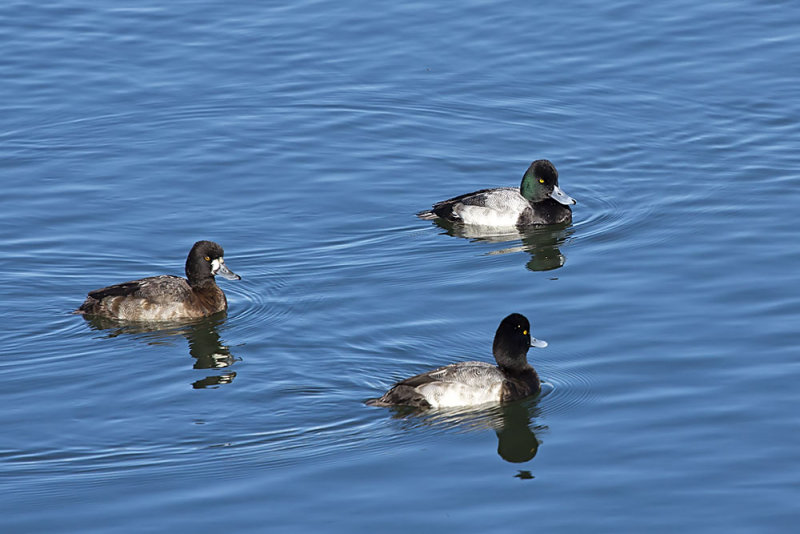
467,373
117,290
156,289
444,209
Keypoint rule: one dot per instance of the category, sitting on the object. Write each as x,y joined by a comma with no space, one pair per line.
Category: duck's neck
525,372
202,282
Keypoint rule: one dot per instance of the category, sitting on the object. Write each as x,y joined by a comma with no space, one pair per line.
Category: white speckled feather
495,207
463,384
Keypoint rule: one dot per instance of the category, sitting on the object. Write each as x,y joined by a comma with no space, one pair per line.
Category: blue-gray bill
560,196
538,343
223,271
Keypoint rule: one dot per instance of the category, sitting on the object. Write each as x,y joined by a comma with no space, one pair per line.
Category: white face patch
218,267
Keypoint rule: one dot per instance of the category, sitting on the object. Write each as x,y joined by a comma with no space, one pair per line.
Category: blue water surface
303,137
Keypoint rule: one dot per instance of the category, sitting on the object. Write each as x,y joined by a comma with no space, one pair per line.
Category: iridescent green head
540,182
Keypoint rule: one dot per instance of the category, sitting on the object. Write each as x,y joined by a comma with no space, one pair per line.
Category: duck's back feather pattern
473,374
155,288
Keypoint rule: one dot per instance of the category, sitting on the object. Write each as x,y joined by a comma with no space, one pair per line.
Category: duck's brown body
158,298
167,297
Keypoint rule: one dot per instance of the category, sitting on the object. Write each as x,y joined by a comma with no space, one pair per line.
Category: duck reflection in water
511,422
541,242
202,334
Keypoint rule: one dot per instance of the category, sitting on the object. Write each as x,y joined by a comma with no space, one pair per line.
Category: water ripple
564,389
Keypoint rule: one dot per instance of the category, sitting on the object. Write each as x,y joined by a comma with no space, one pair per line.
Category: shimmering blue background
303,137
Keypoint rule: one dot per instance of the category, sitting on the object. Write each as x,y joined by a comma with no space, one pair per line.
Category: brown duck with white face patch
167,297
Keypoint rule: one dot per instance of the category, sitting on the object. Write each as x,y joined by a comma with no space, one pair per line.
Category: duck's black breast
545,212
519,386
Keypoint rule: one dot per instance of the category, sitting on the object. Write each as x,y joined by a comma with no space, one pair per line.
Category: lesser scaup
167,297
538,200
474,383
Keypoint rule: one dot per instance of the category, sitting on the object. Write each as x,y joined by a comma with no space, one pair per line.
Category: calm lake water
303,137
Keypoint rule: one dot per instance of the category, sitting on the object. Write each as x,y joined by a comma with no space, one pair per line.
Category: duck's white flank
499,207
463,384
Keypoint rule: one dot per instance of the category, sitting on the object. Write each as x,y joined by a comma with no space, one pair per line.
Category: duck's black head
512,341
540,182
205,260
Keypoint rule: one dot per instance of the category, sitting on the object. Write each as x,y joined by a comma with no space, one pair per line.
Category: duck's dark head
205,261
540,182
512,341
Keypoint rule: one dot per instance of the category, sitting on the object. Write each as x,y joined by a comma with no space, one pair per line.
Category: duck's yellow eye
541,180
524,332
208,259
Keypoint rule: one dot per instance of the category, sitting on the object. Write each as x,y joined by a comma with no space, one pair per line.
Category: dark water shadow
205,345
540,242
512,423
